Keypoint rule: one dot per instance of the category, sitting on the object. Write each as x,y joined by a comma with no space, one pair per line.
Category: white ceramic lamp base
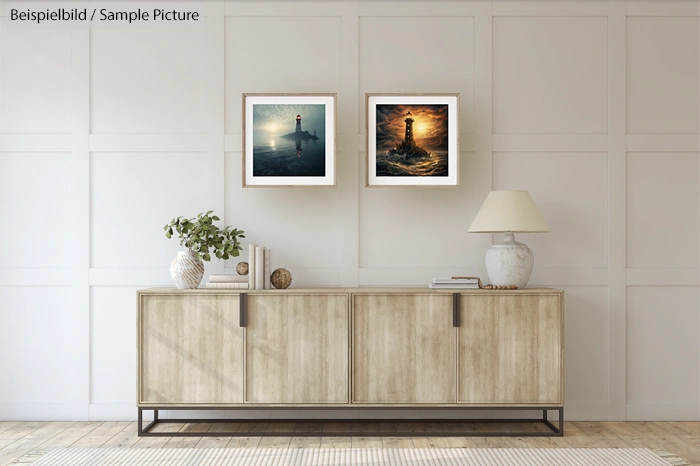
509,262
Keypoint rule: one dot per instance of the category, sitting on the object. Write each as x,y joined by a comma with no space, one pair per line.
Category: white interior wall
106,134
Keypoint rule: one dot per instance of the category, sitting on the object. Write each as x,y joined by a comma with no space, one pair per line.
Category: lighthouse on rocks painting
298,130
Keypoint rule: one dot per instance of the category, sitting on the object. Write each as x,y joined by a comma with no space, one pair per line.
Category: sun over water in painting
412,140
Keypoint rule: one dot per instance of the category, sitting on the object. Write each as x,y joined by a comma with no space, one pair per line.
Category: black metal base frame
555,431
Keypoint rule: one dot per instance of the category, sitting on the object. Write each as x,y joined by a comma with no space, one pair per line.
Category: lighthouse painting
412,140
289,140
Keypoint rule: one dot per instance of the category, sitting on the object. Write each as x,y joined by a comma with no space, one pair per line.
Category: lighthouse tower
408,139
298,130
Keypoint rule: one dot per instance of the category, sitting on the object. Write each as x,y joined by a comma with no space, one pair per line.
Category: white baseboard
663,411
586,412
116,412
40,412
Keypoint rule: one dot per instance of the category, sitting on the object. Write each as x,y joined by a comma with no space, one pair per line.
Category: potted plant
201,238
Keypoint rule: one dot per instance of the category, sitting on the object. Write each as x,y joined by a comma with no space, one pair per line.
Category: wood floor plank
428,442
459,442
305,442
243,442
213,442
125,439
274,442
366,442
397,442
36,438
72,434
20,429
328,441
101,435
218,427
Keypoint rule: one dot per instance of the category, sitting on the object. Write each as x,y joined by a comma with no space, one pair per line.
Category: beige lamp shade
513,211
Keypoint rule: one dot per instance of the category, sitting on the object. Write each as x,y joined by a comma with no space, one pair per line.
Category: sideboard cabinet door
403,349
511,349
191,349
297,348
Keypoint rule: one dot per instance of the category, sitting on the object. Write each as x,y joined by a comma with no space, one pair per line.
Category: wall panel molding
663,143
663,276
11,276
547,8
550,142
149,142
36,143
617,212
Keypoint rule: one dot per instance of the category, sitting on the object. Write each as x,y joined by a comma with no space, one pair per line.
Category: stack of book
259,267
228,282
454,283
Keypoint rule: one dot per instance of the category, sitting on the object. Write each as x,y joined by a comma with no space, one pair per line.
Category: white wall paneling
107,134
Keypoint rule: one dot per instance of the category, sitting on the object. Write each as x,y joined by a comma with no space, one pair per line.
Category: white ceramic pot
509,262
187,270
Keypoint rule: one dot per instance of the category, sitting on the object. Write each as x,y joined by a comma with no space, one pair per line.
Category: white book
227,286
455,280
268,269
455,286
259,268
251,266
228,278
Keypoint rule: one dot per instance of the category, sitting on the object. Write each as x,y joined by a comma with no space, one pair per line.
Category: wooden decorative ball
281,279
242,268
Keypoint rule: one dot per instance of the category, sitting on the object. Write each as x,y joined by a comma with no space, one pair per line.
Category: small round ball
242,268
281,279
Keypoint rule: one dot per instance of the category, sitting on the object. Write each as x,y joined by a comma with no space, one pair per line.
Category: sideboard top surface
366,290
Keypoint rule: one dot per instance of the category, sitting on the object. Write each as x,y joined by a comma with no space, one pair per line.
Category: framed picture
289,140
412,140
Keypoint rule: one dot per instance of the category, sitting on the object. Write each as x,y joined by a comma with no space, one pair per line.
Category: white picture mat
329,102
452,149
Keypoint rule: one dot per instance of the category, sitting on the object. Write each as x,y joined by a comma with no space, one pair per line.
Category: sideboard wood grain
190,349
403,349
511,349
297,349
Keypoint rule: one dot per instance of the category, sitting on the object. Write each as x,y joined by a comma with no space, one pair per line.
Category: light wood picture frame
289,140
412,140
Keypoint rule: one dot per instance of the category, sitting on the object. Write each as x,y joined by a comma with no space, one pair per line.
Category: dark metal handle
455,309
243,309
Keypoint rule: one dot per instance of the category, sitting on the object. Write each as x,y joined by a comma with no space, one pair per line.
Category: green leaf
215,218
206,257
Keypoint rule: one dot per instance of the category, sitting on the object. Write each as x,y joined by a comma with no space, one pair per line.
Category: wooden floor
18,440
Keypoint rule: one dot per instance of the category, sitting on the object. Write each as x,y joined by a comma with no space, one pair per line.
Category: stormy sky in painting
429,127
272,121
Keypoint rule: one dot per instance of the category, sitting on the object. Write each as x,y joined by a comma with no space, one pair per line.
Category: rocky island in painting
412,140
289,140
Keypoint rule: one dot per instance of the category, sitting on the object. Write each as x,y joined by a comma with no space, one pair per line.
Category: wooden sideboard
350,348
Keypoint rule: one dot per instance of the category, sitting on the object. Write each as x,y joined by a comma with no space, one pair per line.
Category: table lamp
509,212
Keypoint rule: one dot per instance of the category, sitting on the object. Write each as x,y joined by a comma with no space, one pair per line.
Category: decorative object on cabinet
289,140
242,268
486,287
509,212
200,236
464,283
227,282
187,270
376,348
412,140
251,266
281,279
